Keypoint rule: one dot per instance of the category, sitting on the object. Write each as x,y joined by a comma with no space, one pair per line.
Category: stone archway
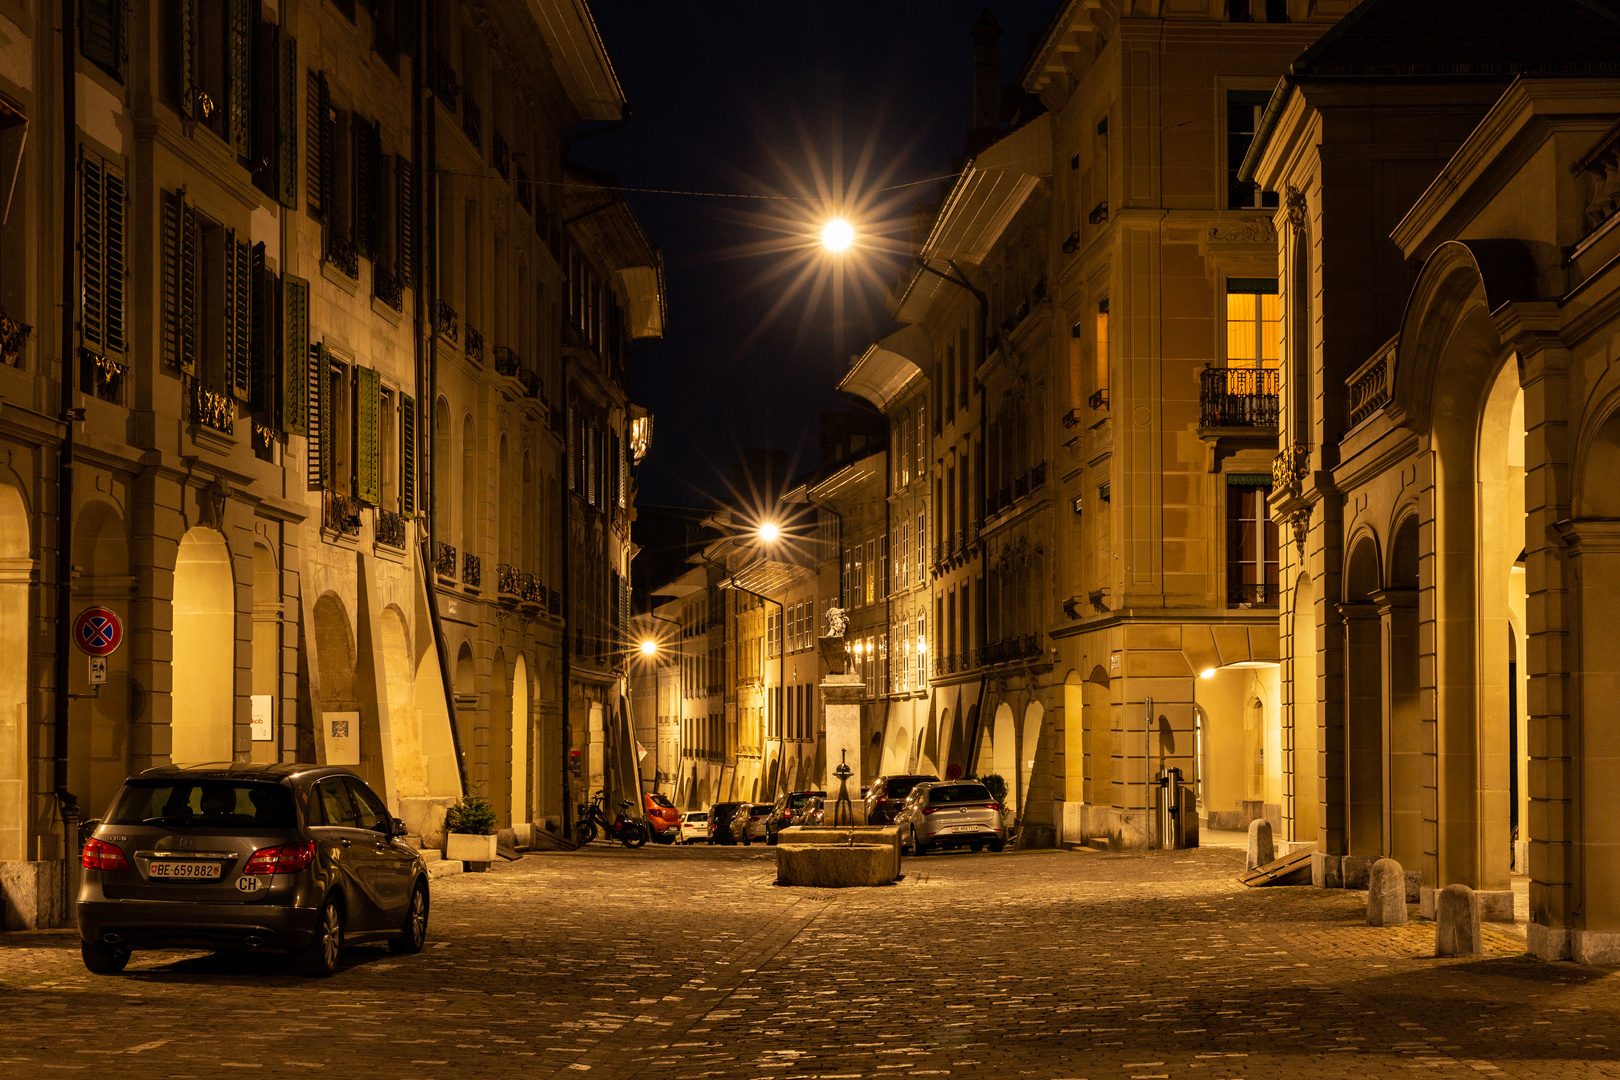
16,568
1306,715
399,673
202,723
1099,736
267,646
999,746
520,730
1410,770
496,742
1363,792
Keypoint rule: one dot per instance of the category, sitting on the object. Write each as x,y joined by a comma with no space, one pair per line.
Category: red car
662,817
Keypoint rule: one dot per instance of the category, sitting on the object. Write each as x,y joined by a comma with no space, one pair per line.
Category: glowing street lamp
649,647
837,235
769,532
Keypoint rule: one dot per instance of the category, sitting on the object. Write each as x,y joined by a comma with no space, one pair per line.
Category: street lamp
649,647
837,235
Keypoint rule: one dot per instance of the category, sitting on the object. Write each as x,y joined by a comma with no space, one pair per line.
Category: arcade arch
202,722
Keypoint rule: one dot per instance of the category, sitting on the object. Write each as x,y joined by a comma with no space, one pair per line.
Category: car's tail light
991,806
929,809
285,859
100,855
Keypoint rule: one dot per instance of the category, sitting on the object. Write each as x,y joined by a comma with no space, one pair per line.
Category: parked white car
694,827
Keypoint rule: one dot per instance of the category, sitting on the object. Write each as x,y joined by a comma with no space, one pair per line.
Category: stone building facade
322,316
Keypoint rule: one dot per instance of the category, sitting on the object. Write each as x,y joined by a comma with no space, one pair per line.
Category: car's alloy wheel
103,959
320,959
916,844
415,931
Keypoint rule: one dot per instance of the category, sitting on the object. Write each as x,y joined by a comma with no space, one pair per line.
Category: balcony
475,346
530,591
507,362
340,513
1098,401
472,571
502,155
530,381
446,323
1231,397
506,582
1242,594
263,440
1369,385
390,529
1073,418
446,85
341,253
211,410
444,562
525,196
102,377
554,602
13,336
385,285
472,121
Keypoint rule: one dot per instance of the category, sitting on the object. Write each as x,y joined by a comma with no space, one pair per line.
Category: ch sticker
248,883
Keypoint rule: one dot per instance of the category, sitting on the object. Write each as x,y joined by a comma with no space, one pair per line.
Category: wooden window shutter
103,35
573,449
92,250
240,300
367,170
179,283
316,107
590,463
405,245
407,456
328,134
241,74
265,338
185,47
367,419
287,124
319,452
295,355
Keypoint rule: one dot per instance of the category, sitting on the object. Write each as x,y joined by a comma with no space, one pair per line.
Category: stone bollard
1261,849
1386,894
1456,913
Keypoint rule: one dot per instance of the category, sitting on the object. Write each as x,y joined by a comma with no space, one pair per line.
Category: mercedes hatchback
303,859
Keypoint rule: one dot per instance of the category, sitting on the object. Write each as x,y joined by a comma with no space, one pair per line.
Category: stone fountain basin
863,834
834,866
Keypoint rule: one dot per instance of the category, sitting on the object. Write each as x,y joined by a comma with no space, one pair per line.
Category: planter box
467,847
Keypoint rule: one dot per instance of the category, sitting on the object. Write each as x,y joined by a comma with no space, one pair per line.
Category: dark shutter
573,450
92,250
407,456
185,47
287,124
407,19
368,456
103,32
316,106
241,302
295,355
328,134
367,171
188,289
179,283
405,245
240,37
319,452
265,336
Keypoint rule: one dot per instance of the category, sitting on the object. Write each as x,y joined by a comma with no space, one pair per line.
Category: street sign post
98,670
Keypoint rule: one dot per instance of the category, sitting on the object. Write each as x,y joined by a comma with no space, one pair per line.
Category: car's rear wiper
169,821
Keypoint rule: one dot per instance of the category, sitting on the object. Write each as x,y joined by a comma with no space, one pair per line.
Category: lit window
1253,323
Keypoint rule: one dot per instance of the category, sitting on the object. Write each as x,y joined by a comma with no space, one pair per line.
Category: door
387,875
347,849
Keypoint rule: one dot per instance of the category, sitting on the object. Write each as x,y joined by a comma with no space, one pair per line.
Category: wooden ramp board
1294,869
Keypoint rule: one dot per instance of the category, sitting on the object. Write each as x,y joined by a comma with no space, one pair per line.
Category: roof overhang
842,482
581,58
889,366
644,297
767,576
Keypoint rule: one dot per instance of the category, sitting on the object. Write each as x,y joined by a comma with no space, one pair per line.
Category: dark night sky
754,97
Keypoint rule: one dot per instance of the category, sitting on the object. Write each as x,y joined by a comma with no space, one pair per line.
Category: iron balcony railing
340,513
1246,594
444,562
390,529
472,570
506,581
1231,397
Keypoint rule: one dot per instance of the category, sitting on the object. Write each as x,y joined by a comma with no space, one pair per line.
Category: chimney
986,78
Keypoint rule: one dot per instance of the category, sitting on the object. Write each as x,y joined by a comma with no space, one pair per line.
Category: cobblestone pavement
693,963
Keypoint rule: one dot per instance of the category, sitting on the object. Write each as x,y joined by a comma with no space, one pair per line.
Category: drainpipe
1147,772
67,802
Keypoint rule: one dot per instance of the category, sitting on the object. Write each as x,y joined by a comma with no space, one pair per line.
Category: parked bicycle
623,828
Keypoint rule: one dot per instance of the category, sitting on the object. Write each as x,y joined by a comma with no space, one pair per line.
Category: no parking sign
98,632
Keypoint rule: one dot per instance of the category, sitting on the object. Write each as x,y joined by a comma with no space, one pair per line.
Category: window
103,35
1101,357
919,545
102,258
921,651
882,576
922,440
1253,323
1243,110
1251,543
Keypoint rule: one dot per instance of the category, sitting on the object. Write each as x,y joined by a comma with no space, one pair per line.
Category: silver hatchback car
951,814
298,858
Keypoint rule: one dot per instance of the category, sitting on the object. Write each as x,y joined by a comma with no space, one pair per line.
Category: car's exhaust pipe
253,941
111,939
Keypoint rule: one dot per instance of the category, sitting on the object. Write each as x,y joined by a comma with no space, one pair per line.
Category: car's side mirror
396,828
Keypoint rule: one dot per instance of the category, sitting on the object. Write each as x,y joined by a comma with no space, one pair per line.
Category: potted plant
469,826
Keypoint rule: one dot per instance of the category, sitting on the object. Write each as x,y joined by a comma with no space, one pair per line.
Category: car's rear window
898,787
959,793
697,815
800,798
205,804
661,800
759,811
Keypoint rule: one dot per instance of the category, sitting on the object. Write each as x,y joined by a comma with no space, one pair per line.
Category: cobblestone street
693,963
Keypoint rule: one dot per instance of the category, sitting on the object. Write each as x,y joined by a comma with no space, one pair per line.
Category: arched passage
1075,772
1029,740
467,715
266,651
1099,733
16,567
202,721
520,729
1002,749
1364,706
497,737
1410,772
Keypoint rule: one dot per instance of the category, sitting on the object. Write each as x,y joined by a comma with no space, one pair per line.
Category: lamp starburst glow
837,235
769,532
648,647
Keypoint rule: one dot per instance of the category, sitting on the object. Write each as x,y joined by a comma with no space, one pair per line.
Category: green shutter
114,267
241,74
295,355
368,456
188,288
173,210
185,51
321,464
240,300
92,250
315,108
405,246
287,124
407,456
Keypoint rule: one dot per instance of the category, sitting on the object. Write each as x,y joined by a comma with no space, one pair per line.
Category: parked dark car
886,794
748,822
720,815
298,858
789,811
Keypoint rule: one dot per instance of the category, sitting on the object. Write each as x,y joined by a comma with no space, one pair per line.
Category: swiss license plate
965,828
184,870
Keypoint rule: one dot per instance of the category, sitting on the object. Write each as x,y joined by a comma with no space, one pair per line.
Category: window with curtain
1253,323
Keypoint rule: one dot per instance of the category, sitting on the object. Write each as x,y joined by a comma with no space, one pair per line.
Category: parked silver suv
951,814
300,858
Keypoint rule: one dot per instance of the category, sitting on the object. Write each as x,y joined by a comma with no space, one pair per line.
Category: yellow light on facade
837,235
1207,673
648,647
922,645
